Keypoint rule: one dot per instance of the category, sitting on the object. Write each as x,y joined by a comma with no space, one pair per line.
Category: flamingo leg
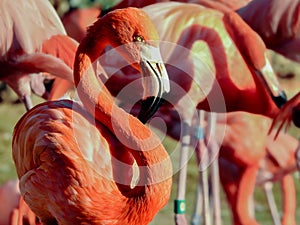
267,187
179,202
216,193
196,217
289,200
203,161
297,155
245,190
230,186
205,192
214,149
27,102
23,215
199,137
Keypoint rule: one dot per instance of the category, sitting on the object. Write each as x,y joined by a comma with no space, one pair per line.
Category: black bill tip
280,100
148,108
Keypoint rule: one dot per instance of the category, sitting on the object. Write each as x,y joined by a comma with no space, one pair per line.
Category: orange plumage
75,163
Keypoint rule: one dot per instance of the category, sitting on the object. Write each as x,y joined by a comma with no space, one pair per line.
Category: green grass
9,114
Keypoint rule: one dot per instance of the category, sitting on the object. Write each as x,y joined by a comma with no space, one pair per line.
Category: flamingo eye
138,38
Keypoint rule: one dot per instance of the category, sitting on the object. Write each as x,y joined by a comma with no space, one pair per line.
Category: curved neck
236,86
197,32
145,147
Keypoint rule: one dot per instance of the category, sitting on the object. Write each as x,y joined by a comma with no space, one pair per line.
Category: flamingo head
134,36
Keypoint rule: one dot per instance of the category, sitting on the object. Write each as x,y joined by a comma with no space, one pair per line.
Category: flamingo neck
244,37
236,86
145,147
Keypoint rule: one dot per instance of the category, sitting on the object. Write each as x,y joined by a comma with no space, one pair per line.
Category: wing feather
26,24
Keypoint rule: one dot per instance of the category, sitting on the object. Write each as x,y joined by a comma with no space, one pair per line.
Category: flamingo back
41,22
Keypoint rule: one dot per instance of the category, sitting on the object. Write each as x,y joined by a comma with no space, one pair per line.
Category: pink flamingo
85,175
244,158
32,43
277,22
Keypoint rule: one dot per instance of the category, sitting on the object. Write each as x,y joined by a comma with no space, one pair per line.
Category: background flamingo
77,20
23,215
32,43
96,172
277,22
242,158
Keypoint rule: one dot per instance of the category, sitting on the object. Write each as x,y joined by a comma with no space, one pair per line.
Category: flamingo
32,43
244,158
87,179
277,23
281,170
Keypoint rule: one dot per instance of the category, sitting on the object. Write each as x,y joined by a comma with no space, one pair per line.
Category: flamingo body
86,180
24,37
277,23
